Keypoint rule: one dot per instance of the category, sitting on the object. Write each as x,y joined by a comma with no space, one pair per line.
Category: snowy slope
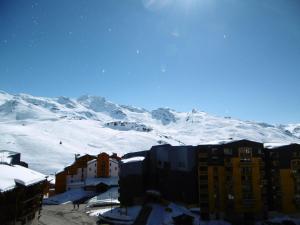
291,128
35,126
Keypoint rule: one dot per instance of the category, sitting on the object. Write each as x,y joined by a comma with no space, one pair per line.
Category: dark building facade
169,170
172,170
21,205
283,170
132,181
238,181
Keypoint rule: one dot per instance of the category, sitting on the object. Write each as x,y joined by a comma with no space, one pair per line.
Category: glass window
245,153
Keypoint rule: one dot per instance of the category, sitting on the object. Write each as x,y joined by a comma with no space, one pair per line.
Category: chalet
21,192
85,171
11,158
77,172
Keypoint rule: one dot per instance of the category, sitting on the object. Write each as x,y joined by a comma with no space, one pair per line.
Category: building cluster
239,181
87,172
21,190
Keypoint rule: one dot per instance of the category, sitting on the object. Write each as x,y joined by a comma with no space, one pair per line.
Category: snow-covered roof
5,156
275,145
133,159
91,161
10,175
51,179
224,141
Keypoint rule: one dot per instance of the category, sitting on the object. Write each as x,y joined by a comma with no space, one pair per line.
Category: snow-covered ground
158,215
68,197
109,197
35,126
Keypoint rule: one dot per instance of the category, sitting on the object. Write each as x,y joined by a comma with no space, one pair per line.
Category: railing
245,163
248,202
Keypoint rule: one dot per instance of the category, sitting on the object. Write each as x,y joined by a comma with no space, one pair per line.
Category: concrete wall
92,169
113,168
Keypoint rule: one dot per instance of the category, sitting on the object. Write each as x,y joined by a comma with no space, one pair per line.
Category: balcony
228,164
248,202
295,173
202,164
246,163
202,172
202,155
203,191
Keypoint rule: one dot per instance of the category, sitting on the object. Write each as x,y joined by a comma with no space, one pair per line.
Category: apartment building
283,170
232,181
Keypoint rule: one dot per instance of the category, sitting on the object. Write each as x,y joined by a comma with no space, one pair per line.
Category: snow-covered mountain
49,131
291,128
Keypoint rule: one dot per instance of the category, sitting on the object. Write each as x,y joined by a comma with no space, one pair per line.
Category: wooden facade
21,205
60,182
103,165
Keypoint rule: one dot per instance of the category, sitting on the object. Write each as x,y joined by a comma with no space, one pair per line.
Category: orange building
103,165
72,174
60,182
86,167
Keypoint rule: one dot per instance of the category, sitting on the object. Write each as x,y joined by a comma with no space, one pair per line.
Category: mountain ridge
35,126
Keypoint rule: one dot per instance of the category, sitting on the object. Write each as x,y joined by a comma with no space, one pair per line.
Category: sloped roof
12,175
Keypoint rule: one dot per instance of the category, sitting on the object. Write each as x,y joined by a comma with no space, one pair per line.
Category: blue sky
226,57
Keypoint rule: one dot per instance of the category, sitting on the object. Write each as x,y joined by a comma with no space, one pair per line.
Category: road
65,215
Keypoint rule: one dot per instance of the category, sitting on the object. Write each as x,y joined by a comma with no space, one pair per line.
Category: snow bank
109,197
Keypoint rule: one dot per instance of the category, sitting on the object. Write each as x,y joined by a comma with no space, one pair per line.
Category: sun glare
179,4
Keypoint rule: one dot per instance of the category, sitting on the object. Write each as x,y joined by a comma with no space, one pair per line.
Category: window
228,151
245,153
181,165
295,165
296,154
259,151
167,165
203,168
203,177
